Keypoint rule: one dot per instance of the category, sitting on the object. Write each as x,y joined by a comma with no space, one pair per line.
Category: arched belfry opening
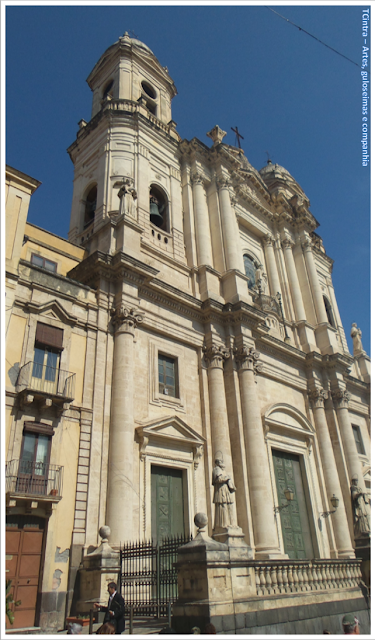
90,206
329,312
150,95
108,90
158,208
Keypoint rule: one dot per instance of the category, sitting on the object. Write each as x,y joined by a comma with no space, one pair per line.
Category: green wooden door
294,518
167,506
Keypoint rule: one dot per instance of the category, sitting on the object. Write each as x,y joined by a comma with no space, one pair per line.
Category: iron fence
33,478
148,578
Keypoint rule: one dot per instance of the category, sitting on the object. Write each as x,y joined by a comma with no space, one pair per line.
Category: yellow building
190,317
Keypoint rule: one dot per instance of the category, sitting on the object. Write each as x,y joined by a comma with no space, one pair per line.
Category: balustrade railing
296,576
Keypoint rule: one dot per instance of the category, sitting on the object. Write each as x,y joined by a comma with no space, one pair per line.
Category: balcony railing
33,479
48,380
292,576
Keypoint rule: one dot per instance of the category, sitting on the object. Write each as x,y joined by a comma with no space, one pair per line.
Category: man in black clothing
115,610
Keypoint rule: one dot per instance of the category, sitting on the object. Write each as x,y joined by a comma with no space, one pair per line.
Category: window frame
358,443
44,260
256,266
163,385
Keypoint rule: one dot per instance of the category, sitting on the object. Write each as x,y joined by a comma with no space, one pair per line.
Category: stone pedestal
97,569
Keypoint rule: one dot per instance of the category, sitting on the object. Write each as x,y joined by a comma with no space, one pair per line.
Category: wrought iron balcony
39,378
33,479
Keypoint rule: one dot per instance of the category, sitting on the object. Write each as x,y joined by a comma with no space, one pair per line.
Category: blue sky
233,66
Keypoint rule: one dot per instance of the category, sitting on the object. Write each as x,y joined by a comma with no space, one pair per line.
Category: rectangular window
168,382
39,261
47,351
358,439
33,469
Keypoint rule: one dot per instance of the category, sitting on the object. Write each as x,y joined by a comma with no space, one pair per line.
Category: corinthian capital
288,243
126,318
223,183
268,240
341,398
215,355
247,358
196,178
318,397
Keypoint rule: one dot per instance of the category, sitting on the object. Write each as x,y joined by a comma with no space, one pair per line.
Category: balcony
32,481
269,304
38,381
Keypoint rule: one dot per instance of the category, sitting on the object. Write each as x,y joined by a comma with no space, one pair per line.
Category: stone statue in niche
127,195
260,279
361,517
356,335
223,496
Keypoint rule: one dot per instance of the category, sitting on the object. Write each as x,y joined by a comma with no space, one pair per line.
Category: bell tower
125,157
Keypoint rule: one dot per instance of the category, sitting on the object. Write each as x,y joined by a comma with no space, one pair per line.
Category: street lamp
335,503
288,493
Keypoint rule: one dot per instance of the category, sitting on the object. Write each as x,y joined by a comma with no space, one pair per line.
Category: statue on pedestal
359,506
260,279
223,496
356,335
127,195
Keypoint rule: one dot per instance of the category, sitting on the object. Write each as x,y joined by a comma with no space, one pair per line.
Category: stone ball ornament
200,521
104,532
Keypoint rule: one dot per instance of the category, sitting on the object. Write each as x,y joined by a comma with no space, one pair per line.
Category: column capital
126,319
317,397
288,243
306,243
196,178
341,398
215,355
223,183
247,359
233,200
268,240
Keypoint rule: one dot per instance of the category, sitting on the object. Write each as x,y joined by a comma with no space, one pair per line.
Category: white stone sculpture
223,496
359,507
356,335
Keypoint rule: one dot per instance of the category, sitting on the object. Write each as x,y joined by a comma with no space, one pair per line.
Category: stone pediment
170,430
53,310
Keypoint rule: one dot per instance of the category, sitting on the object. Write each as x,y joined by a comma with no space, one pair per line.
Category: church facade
190,317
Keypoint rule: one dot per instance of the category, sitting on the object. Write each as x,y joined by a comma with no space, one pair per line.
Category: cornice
275,347
355,382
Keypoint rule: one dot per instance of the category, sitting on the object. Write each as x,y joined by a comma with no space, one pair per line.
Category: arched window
329,312
149,94
250,269
158,207
108,90
90,206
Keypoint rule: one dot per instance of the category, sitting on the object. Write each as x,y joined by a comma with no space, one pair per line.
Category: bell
155,216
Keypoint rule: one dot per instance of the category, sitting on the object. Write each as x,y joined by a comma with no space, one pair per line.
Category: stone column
341,398
332,482
265,534
121,435
230,227
214,356
314,282
293,280
202,224
274,281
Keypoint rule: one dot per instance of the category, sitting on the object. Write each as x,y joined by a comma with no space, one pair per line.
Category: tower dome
275,176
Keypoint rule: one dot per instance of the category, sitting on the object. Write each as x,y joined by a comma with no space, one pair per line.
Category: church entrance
294,517
167,503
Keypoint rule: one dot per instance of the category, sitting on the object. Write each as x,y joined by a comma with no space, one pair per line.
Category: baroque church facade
189,317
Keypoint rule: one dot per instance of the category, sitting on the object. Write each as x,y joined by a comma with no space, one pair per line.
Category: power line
315,38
